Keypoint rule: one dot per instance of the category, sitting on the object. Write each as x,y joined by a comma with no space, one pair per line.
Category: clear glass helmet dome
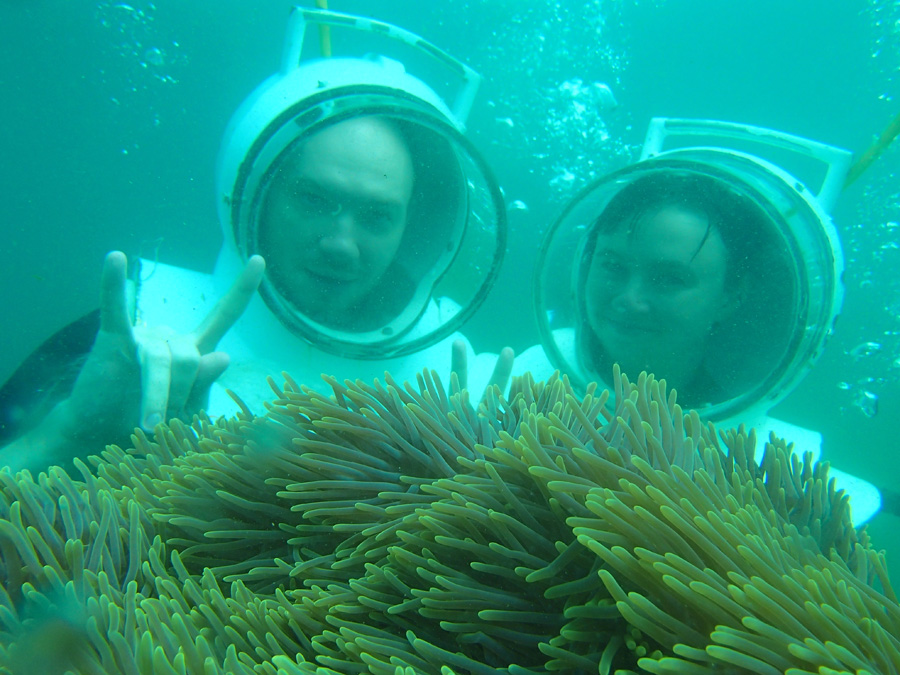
779,266
452,236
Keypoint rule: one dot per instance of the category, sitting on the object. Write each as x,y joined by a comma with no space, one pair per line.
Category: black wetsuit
46,377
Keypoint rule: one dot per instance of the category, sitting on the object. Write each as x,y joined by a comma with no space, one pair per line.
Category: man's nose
340,241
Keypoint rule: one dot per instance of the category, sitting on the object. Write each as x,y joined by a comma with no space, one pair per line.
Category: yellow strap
871,154
324,32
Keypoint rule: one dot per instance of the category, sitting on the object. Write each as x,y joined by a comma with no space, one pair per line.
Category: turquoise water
112,112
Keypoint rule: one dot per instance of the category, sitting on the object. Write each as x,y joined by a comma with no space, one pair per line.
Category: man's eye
376,218
311,201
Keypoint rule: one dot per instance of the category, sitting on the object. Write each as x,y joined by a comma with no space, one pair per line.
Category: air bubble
866,402
154,56
865,350
517,205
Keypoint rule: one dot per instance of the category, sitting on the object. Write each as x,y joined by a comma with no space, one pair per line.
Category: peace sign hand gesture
135,375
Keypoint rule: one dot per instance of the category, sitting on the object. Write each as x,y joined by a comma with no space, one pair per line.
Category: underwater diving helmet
455,229
788,249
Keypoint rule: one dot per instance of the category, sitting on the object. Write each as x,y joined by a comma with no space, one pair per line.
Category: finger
114,317
503,368
212,366
458,362
183,371
156,368
231,306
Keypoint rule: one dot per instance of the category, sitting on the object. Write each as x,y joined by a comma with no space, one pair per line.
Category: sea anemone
394,530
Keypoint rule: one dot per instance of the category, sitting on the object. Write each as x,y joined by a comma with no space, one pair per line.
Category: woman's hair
741,224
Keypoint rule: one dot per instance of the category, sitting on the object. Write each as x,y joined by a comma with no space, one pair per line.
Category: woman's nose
632,296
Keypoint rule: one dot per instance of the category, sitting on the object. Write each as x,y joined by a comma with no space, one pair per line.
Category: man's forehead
356,185
339,158
358,136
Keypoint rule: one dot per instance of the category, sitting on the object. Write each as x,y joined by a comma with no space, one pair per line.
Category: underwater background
111,114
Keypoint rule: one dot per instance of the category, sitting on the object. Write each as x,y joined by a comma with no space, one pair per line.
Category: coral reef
396,530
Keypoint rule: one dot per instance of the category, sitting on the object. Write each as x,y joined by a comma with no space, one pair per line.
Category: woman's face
653,294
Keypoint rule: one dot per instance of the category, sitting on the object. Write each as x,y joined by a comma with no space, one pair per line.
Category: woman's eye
611,267
670,281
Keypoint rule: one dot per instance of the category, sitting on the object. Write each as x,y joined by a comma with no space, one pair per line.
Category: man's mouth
331,276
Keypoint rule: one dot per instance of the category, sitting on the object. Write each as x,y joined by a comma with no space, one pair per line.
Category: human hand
143,375
459,366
